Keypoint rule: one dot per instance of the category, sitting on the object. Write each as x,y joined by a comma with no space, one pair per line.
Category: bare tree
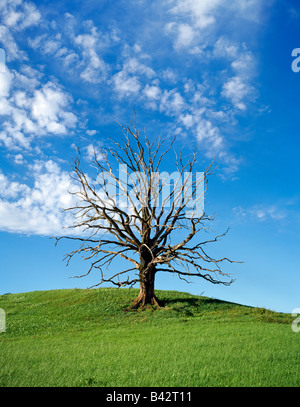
143,216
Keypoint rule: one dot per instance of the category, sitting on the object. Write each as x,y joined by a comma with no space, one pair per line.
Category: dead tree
141,215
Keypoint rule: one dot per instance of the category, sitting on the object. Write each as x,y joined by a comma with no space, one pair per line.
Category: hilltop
83,337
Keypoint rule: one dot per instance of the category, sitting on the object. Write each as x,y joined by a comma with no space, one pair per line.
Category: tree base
142,302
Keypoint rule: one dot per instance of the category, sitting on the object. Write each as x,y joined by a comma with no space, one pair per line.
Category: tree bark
146,296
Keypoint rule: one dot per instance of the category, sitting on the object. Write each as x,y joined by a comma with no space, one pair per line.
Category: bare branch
129,216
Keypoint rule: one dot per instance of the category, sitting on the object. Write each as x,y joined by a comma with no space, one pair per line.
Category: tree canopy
150,218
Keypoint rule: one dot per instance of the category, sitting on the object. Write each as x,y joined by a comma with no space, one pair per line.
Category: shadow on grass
201,301
195,306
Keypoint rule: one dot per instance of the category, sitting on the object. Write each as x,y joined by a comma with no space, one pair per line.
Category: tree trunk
146,295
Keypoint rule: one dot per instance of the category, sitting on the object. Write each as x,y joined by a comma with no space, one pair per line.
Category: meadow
73,338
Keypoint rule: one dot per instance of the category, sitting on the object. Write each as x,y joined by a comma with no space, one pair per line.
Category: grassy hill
84,338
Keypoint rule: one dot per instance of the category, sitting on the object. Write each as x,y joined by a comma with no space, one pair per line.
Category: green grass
84,338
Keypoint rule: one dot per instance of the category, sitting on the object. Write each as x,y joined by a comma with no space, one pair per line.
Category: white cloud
5,82
261,212
127,81
36,210
19,15
189,20
250,9
204,13
238,86
223,48
169,75
208,133
184,34
171,102
90,152
19,159
51,47
34,111
48,109
125,85
80,53
31,16
16,15
193,27
91,132
152,92
95,69
133,66
244,64
236,90
200,11
187,120
194,24
11,189
41,109
27,78
9,44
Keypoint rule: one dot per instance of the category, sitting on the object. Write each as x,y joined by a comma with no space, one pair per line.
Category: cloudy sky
216,73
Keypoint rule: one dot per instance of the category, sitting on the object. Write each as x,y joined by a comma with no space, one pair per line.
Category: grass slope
84,338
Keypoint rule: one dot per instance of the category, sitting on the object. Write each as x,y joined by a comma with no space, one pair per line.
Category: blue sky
216,73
